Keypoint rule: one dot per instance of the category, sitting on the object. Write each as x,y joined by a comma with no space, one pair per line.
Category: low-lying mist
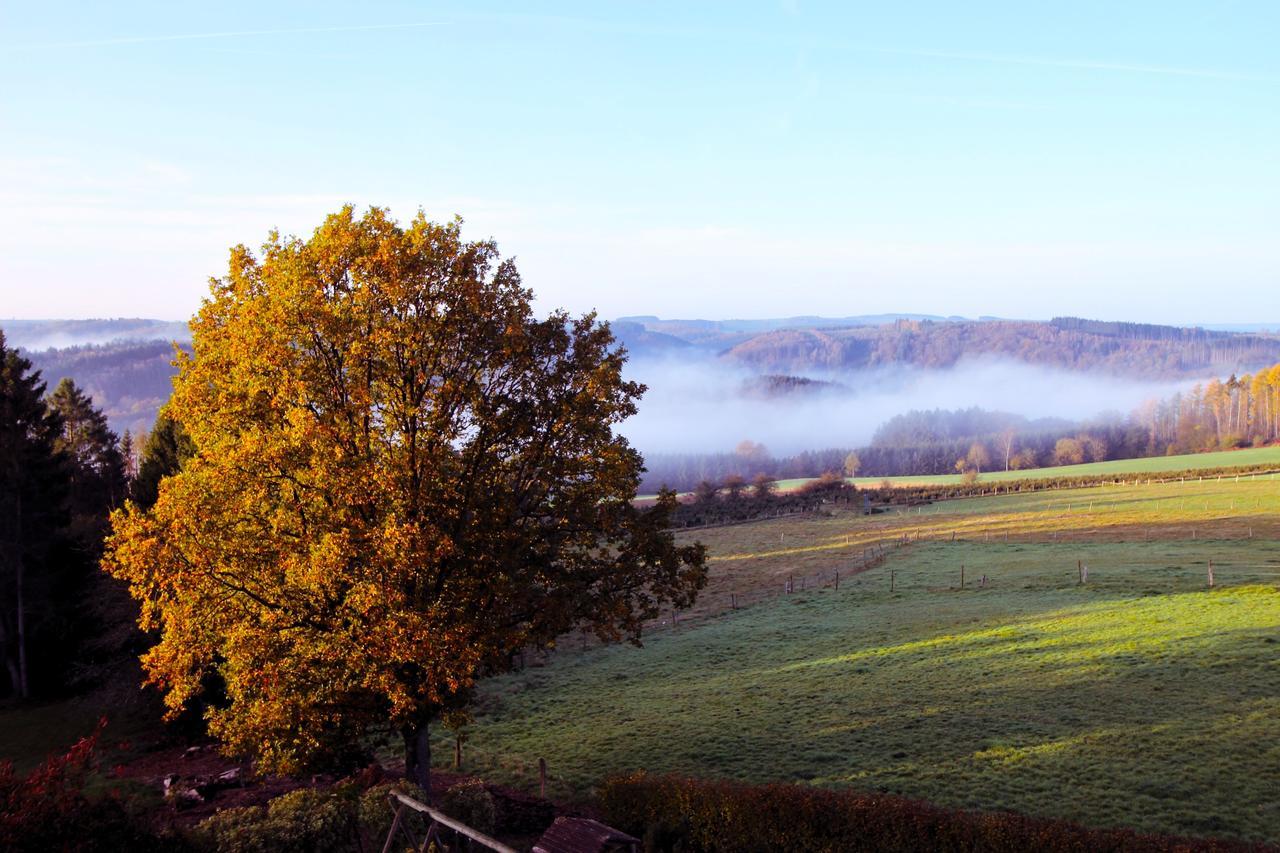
705,406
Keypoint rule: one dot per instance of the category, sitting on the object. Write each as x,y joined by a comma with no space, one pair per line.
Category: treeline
1220,415
1130,349
1239,412
64,625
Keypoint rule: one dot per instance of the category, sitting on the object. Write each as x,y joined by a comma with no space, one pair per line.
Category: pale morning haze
684,160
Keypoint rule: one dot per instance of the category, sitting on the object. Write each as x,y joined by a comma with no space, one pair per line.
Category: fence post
837,580
1211,574
733,600
962,576
892,574
1080,570
542,778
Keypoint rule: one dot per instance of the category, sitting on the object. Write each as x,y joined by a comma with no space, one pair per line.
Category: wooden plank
456,825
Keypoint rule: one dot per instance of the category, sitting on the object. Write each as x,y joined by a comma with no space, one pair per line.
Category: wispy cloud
1083,64
125,40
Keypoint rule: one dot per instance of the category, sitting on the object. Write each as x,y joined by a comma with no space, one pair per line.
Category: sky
721,160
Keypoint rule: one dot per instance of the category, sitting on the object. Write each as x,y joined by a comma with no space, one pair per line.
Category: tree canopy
401,478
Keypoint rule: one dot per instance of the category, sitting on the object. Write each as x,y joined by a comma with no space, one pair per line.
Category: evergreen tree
33,488
96,464
163,453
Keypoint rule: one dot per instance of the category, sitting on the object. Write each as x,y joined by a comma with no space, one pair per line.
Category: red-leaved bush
47,810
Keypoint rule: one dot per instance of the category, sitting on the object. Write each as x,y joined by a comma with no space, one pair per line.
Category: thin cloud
124,40
1086,64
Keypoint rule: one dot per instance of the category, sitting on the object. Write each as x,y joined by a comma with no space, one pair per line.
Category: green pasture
1149,465
1142,698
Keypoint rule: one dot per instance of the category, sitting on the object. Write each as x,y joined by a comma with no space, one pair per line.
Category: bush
673,813
471,803
48,809
338,819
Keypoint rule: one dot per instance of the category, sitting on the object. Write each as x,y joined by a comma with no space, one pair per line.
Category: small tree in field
733,486
763,486
400,477
851,464
705,492
977,457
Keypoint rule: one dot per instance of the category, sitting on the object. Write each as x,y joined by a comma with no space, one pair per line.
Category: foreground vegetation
1141,698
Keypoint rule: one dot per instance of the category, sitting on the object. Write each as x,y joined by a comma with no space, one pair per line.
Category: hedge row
694,816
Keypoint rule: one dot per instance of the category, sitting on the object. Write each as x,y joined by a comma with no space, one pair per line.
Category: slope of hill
1149,352
46,334
128,380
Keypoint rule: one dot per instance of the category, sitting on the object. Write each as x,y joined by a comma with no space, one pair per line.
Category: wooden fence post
1211,574
892,574
962,576
733,600
1080,570
837,580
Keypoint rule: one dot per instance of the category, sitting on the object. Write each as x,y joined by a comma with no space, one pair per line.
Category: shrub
48,809
674,813
338,819
471,803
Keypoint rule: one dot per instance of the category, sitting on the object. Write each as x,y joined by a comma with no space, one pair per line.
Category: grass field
1142,698
1148,465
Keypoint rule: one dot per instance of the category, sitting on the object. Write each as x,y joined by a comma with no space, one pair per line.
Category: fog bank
699,406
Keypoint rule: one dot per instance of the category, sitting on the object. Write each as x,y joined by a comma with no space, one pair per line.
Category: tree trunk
417,755
23,686
24,691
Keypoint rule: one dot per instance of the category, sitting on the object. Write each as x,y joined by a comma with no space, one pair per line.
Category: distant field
1152,465
1142,698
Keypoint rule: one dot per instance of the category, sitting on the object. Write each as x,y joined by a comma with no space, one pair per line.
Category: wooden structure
441,824
580,835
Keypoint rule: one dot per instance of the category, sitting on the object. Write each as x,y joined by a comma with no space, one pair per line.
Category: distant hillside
44,334
722,334
128,380
1129,349
637,339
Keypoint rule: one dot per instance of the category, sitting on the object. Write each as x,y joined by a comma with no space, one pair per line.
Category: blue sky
1113,160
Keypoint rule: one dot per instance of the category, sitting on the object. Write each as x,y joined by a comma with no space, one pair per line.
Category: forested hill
1128,349
128,380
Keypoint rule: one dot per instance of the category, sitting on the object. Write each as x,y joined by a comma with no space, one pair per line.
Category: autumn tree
977,457
734,484
763,486
706,492
1068,451
851,464
401,478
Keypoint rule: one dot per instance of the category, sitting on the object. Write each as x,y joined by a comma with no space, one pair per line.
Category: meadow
1141,697
1144,465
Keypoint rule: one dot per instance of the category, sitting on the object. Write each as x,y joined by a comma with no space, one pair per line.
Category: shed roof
581,835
